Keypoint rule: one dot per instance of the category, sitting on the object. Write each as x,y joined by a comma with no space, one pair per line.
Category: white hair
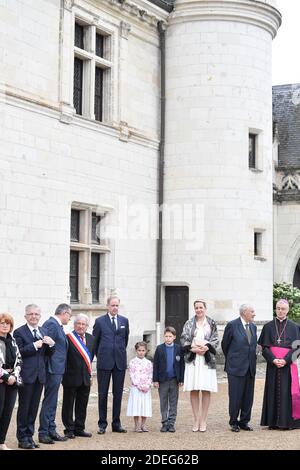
245,307
82,316
31,307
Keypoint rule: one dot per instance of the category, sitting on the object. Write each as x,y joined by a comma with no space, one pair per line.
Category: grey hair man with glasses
35,346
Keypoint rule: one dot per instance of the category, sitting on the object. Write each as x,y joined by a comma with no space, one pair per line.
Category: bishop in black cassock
280,409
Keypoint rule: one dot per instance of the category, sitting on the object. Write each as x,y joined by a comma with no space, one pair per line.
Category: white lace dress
197,374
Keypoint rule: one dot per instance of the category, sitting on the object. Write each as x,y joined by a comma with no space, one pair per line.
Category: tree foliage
283,290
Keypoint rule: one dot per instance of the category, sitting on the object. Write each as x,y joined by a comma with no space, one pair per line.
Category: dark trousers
8,395
103,377
168,397
29,400
77,397
241,393
49,405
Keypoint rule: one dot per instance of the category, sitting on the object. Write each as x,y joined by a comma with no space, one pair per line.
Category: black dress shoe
235,428
83,434
119,429
56,437
245,427
70,434
25,445
101,431
35,445
46,439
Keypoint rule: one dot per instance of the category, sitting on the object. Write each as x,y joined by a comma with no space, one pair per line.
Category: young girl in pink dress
139,403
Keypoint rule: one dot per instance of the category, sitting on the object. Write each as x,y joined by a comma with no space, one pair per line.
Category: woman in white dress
199,340
139,402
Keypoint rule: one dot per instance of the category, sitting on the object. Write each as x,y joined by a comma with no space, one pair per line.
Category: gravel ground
218,435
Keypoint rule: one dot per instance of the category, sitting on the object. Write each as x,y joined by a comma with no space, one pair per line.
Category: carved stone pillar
66,59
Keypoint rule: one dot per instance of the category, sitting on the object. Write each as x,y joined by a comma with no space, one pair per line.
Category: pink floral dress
139,402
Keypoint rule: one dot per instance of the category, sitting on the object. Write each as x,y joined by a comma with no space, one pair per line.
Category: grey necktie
248,332
114,324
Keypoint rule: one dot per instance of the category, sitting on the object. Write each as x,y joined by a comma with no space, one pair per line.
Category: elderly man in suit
239,347
56,365
111,333
77,378
34,346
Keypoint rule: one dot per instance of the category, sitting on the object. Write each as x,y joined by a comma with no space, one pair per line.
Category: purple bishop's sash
280,353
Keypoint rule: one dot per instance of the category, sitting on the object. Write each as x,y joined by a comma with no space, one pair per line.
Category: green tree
283,290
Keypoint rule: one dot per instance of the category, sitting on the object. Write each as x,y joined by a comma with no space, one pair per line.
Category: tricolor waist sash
280,353
82,349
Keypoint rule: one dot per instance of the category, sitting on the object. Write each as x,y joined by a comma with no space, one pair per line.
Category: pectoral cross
279,341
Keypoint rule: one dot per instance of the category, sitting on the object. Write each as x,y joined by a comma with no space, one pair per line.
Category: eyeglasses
33,314
4,323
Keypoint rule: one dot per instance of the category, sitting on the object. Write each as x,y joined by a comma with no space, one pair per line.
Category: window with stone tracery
92,71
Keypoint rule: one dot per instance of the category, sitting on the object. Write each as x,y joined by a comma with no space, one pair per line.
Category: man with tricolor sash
77,378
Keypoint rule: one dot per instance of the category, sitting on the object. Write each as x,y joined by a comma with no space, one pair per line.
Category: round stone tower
218,153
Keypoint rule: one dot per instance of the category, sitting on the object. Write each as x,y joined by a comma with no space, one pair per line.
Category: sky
286,57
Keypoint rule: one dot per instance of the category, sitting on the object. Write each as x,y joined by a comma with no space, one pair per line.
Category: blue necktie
114,324
35,336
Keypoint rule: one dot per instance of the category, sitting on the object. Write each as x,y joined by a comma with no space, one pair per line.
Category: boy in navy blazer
168,374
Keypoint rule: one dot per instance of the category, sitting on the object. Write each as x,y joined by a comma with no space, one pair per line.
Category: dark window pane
74,275
252,151
257,244
99,45
95,230
98,93
75,225
95,276
78,79
79,34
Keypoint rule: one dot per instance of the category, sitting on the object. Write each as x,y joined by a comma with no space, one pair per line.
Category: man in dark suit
239,347
34,345
77,378
111,333
55,369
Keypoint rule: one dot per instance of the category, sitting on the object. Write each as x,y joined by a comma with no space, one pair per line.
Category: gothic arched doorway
296,280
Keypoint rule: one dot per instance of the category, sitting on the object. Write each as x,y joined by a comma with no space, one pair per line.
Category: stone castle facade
111,109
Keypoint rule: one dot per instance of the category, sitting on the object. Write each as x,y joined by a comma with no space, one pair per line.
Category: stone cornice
36,105
257,13
141,9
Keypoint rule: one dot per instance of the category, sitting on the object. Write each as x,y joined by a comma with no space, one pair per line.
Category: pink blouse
140,371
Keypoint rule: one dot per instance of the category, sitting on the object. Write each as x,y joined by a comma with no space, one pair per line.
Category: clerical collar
281,320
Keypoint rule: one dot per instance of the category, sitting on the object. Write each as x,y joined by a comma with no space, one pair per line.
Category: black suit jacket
76,372
240,356
160,364
33,365
110,345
